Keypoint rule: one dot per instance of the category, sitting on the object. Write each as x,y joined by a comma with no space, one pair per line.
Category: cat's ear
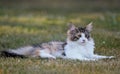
89,27
71,26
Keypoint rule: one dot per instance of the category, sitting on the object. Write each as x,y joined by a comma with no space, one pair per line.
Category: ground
29,22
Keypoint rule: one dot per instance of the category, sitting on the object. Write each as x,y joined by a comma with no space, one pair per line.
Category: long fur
6,53
45,50
80,45
82,52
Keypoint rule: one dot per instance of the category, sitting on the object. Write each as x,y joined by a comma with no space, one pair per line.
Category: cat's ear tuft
71,26
89,27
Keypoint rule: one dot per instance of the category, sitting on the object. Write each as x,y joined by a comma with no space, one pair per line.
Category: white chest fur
79,51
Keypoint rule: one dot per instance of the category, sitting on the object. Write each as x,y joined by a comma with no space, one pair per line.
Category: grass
25,23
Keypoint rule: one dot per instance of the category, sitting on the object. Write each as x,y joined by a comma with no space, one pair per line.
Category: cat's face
79,35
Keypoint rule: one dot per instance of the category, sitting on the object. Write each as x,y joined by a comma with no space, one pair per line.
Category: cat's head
79,34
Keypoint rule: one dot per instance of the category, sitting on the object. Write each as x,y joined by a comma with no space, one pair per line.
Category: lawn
28,22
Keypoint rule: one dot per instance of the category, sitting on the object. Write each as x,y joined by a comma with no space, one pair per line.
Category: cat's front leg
95,56
83,59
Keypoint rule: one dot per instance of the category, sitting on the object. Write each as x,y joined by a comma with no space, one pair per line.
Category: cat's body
79,46
45,50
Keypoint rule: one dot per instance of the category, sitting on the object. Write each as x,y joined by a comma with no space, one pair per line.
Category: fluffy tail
20,52
6,53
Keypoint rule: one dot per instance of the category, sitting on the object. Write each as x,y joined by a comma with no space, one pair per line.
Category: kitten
80,44
45,50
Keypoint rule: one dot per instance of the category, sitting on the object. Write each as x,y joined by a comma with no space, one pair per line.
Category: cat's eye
75,38
87,36
79,35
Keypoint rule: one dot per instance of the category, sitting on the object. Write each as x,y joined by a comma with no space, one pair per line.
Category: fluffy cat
80,44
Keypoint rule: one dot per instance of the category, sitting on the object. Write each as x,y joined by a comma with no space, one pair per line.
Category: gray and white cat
79,45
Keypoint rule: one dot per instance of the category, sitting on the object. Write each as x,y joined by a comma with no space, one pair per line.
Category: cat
80,44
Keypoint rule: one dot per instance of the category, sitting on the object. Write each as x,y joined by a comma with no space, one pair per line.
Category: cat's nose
83,40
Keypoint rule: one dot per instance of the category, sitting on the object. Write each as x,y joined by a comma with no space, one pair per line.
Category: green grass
29,22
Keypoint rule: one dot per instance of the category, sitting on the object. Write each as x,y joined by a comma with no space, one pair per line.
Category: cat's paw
111,57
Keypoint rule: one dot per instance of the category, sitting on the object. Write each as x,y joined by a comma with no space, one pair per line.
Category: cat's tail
7,53
22,52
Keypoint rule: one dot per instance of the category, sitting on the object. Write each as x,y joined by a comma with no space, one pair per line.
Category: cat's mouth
82,42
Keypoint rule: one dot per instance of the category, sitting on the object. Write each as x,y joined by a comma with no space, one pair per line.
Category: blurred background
59,6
